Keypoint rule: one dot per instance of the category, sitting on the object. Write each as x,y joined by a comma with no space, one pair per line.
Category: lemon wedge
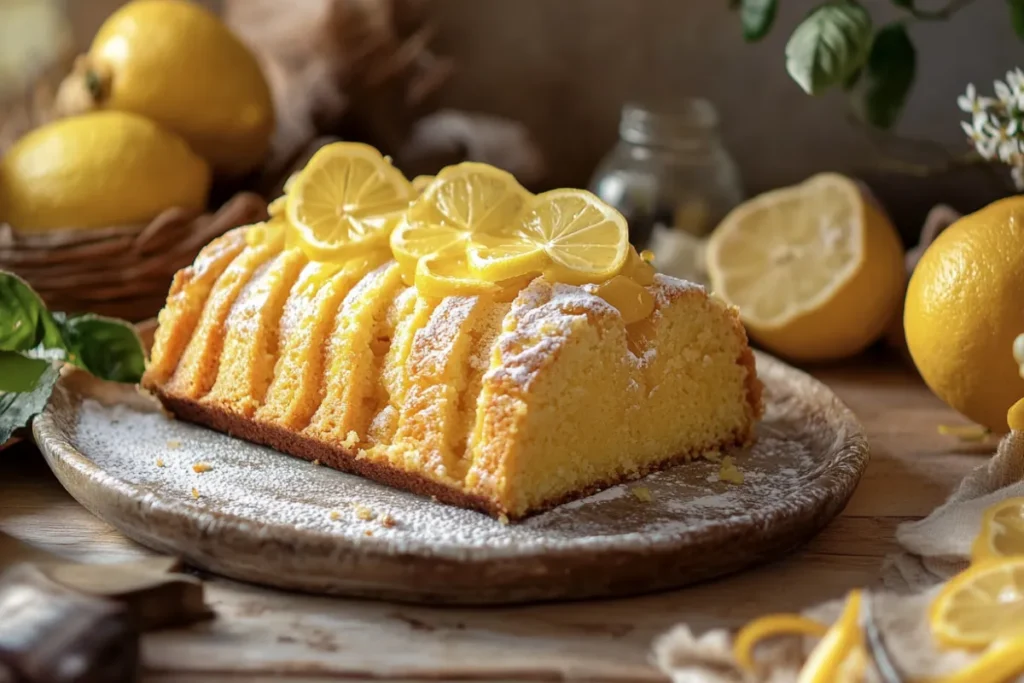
1015,416
981,605
816,271
1002,531
346,201
571,235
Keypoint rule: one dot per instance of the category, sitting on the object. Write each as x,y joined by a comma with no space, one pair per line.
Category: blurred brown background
564,68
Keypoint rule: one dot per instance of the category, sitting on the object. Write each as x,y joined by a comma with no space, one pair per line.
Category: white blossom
996,128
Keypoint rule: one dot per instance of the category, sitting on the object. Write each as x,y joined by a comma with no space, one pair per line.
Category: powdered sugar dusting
803,438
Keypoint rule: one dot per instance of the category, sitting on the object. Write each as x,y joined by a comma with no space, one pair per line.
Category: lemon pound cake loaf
512,399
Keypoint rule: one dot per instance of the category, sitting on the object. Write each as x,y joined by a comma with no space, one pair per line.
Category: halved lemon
816,271
1002,531
571,235
347,200
981,605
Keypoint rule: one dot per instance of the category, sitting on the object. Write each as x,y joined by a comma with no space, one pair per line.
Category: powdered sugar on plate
809,452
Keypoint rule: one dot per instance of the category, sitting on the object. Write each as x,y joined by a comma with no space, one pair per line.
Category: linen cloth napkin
932,550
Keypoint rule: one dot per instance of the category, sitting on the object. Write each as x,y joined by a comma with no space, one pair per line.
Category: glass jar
669,169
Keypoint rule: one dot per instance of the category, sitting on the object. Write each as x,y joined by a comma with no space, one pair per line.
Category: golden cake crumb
159,462
173,444
201,467
364,513
351,440
316,463
195,492
388,521
642,493
503,518
335,515
368,532
713,456
729,472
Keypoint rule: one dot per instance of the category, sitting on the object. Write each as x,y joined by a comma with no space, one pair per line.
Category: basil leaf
829,45
105,347
890,71
1017,16
16,409
25,323
757,16
19,373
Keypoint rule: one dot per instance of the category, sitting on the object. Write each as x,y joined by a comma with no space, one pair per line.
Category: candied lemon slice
772,626
346,200
1002,531
412,241
447,274
571,234
981,605
471,197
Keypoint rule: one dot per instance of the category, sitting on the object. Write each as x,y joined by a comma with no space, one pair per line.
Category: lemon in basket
176,63
98,170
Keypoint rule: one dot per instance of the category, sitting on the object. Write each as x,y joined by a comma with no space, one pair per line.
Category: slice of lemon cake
507,393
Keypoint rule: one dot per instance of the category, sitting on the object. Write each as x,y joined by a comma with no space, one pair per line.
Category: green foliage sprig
34,342
837,46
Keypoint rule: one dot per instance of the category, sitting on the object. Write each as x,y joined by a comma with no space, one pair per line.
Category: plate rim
830,490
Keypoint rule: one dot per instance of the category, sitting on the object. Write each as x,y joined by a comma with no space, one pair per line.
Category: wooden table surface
261,634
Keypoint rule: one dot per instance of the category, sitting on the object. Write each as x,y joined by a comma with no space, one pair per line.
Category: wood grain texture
260,634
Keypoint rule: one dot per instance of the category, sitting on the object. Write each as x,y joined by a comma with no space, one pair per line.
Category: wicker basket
120,271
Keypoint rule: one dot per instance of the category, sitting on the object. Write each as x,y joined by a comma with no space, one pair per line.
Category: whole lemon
964,308
176,63
98,169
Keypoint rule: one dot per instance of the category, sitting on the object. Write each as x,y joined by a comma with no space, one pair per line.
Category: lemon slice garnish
981,605
772,626
347,200
460,200
1002,531
571,234
447,274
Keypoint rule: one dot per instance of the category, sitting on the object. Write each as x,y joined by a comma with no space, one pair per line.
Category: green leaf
756,17
829,45
1017,16
16,409
107,348
25,323
890,72
19,373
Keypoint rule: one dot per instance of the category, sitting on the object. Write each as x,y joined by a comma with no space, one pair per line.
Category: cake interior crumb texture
510,407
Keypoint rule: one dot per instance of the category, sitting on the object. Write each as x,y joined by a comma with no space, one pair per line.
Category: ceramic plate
260,516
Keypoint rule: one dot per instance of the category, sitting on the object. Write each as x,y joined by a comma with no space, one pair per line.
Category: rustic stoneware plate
260,516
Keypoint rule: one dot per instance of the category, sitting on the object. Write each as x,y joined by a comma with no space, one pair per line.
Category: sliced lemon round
571,234
447,274
412,241
1002,531
346,201
816,271
981,605
469,196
